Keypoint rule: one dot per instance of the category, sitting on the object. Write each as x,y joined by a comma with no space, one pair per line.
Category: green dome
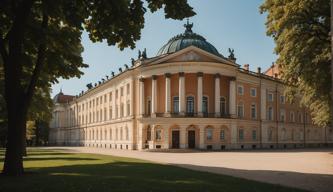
187,39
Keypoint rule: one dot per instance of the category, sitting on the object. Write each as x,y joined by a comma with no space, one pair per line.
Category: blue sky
224,23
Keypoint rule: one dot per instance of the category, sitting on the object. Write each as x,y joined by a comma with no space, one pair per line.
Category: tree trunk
13,159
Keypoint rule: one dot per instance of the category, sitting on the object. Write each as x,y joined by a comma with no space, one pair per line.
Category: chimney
259,70
246,67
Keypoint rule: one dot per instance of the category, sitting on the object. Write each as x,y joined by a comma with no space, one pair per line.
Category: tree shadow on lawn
130,176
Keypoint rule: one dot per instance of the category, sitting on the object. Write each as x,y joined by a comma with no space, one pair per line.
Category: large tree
301,30
40,41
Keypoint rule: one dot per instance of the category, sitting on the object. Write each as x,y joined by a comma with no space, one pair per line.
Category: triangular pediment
192,54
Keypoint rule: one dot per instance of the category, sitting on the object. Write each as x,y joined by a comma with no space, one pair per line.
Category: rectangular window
270,97
292,116
241,134
128,108
158,135
222,135
121,91
240,90
282,115
105,114
254,135
253,92
97,100
270,113
117,94
105,98
128,89
110,96
282,99
176,104
240,110
253,111
209,134
110,113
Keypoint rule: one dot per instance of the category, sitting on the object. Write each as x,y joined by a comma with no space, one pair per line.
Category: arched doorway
192,137
175,139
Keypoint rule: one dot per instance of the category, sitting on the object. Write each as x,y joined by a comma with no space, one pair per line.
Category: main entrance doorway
175,139
191,139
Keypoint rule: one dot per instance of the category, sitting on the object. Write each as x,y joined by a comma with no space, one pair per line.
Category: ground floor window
209,134
241,134
254,135
222,134
158,135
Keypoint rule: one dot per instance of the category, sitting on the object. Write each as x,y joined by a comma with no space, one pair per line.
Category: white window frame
238,90
255,92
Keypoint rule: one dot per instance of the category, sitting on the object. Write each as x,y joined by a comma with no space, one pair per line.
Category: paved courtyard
310,169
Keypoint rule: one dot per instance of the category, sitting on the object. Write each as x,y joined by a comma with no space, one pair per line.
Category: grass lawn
51,170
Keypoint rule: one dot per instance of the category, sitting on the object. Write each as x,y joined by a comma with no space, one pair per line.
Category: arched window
205,105
223,109
176,104
190,105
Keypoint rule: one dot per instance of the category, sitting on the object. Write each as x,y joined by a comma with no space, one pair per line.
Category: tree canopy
40,41
301,32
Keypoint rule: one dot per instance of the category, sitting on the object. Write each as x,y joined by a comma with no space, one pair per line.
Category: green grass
56,171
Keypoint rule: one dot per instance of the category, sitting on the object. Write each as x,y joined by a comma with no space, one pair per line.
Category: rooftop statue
188,26
231,54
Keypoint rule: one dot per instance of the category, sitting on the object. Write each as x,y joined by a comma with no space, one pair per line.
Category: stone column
201,137
217,95
199,99
182,135
232,98
140,136
166,138
234,135
154,96
141,96
182,93
167,95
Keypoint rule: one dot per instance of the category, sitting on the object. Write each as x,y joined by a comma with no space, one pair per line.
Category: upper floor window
105,98
176,104
300,117
121,91
240,90
292,116
148,106
110,96
253,111
270,113
253,92
240,110
270,97
223,109
190,105
128,108
282,115
128,89
117,94
282,99
205,104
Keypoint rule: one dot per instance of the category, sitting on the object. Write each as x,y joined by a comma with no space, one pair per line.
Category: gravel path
310,169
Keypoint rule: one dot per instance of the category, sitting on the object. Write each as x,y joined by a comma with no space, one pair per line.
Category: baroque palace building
187,96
